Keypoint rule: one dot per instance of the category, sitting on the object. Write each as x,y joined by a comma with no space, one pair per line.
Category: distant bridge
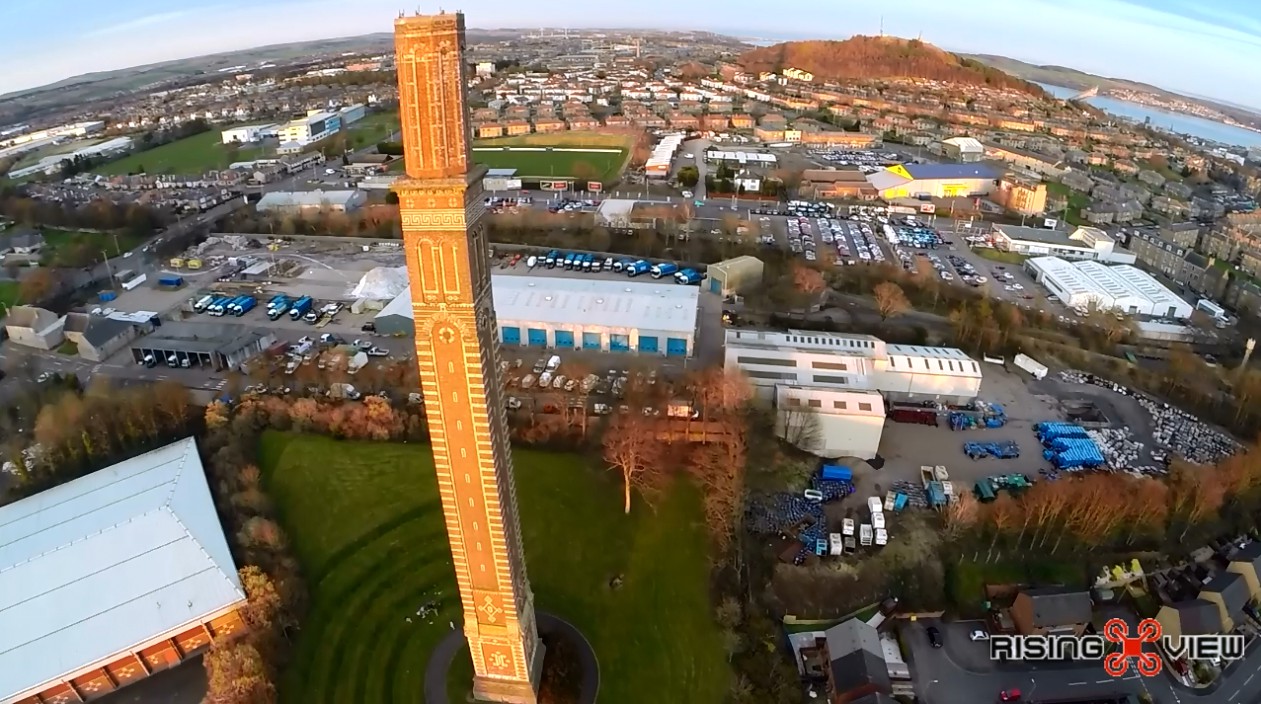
1088,93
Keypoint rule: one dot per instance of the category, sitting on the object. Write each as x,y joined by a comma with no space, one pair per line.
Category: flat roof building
1122,288
1082,243
303,201
963,149
934,181
111,577
657,318
852,362
218,346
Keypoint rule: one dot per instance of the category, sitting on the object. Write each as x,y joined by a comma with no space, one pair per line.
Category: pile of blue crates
832,489
1068,446
1002,450
993,417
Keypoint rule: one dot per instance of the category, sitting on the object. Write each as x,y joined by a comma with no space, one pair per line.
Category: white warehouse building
245,134
657,318
830,422
852,363
1121,288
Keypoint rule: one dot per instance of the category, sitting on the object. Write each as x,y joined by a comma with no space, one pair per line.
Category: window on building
825,379
816,403
839,405
758,374
834,366
940,367
794,401
767,361
864,406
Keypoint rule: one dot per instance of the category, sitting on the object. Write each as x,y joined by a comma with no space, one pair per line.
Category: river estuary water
1175,122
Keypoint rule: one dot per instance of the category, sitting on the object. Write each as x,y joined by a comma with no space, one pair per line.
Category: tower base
486,689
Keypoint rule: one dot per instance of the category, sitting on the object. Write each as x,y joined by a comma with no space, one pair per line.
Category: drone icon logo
1148,663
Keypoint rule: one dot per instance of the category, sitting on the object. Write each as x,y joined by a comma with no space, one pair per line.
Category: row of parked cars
592,263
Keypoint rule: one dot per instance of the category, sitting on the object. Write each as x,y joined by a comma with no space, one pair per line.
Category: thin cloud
142,22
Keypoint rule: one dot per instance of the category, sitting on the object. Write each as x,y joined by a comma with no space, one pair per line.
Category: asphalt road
961,671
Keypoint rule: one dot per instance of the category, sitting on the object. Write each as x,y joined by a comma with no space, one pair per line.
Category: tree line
75,432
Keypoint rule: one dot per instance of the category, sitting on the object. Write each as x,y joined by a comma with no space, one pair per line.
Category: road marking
1233,696
1245,682
1075,684
1104,681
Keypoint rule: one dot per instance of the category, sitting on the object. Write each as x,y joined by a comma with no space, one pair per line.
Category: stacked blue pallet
1051,430
831,489
1002,450
781,512
1073,453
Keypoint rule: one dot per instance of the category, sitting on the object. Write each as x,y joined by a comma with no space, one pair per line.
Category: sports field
368,529
191,155
584,166
374,127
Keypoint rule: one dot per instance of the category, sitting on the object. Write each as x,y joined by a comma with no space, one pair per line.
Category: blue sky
1203,47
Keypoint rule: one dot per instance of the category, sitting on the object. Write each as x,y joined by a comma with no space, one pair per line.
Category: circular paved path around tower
451,645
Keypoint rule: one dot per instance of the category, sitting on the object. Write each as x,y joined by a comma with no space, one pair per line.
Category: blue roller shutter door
511,335
536,338
648,344
591,341
715,286
564,339
619,343
676,347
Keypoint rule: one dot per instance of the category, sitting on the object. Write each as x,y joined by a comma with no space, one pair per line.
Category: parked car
378,352
934,637
1010,695
979,635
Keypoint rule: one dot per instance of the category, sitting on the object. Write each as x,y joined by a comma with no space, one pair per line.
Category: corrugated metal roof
107,562
948,171
593,303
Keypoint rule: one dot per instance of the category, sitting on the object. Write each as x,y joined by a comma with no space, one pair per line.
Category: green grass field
191,155
73,247
367,526
590,166
374,127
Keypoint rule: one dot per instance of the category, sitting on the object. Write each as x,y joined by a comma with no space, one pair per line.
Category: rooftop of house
1059,606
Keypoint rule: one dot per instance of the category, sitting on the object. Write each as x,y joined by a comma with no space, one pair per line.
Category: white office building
245,134
1083,243
1121,288
830,422
563,313
852,362
312,128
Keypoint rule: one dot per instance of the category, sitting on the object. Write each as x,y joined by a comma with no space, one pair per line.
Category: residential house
1020,194
857,666
1151,178
1193,617
21,241
1078,181
544,125
98,337
1247,562
1179,190
1229,590
742,121
1051,610
488,130
517,128
34,327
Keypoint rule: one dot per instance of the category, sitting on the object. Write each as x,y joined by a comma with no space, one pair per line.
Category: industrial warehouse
1122,288
934,181
1082,243
112,577
844,382
655,318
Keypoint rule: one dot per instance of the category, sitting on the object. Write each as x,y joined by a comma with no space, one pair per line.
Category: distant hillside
1072,78
863,58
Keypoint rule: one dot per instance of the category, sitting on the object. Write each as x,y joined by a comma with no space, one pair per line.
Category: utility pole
108,268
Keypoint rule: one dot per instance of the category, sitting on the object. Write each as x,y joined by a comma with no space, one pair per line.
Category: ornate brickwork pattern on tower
441,207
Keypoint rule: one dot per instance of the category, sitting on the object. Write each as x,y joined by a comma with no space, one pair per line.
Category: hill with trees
872,58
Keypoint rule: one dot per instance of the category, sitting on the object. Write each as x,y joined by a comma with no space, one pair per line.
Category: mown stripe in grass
354,586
